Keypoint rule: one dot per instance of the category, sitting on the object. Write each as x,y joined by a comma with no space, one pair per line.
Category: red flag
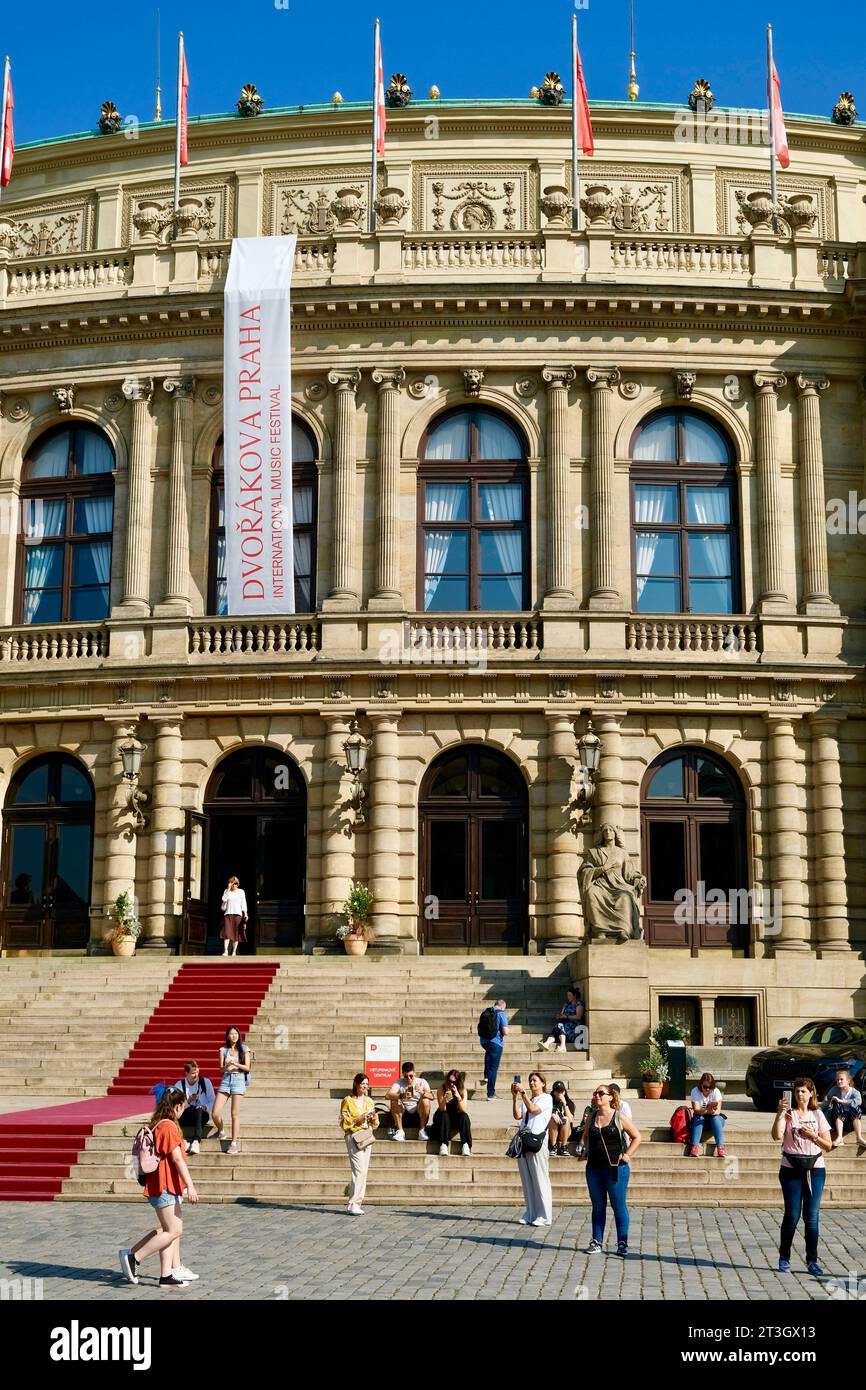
774,94
584,124
8,142
182,117
379,99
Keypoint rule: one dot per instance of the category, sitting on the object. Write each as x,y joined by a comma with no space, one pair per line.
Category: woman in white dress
234,909
534,1111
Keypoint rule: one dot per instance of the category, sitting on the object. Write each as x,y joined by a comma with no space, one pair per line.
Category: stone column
166,830
386,593
767,387
384,820
176,599
338,859
604,593
787,861
813,516
608,779
560,590
564,923
344,594
829,874
136,569
121,837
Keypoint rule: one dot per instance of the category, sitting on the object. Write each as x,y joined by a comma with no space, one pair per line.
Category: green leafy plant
665,1033
354,919
652,1068
125,917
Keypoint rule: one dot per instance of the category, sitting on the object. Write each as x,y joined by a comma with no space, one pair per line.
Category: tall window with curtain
472,516
64,540
684,516
304,505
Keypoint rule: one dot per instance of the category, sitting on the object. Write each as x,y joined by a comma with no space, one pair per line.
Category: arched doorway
693,842
473,815
253,825
47,855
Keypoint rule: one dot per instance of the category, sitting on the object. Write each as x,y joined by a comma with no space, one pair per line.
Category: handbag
363,1138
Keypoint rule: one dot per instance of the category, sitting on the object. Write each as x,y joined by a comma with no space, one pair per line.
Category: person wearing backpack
198,1093
610,1142
159,1157
492,1028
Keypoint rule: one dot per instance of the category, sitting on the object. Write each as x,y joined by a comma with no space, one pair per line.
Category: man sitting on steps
410,1097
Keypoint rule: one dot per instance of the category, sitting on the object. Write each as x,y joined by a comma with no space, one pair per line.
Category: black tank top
604,1147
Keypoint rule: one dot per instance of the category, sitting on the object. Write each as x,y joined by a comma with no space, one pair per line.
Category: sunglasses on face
600,1093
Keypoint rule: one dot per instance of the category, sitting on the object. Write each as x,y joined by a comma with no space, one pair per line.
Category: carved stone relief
474,199
51,229
301,205
735,203
637,198
148,213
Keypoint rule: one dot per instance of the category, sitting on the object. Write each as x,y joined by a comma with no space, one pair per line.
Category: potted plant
652,1073
662,1035
123,936
355,932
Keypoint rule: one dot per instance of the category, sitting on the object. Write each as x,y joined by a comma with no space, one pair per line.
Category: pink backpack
145,1159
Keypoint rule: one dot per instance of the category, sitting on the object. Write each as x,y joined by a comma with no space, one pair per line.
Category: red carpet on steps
39,1148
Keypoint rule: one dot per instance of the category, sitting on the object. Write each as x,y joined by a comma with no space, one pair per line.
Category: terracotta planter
354,945
123,946
652,1090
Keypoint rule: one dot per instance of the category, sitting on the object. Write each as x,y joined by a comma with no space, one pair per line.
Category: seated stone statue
610,885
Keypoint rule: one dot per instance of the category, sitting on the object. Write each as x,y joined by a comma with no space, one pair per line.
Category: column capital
603,378
163,722
765,382
558,377
811,383
345,378
381,718
777,718
389,378
181,387
828,720
138,388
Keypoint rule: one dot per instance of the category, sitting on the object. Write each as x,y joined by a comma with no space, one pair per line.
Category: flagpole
375,124
771,100
4,114
177,121
158,111
575,178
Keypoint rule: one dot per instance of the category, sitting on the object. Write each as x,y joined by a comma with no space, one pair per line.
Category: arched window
67,513
304,505
684,516
473,507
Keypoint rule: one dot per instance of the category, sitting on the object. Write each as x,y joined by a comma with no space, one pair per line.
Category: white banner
257,415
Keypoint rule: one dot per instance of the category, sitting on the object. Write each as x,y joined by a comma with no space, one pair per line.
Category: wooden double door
474,853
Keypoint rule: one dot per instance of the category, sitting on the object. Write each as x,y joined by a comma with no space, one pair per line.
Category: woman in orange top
164,1189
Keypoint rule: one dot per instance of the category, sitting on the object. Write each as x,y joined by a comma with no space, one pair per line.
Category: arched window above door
67,517
473,512
684,516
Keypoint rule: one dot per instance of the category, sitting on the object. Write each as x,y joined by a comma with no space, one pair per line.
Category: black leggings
446,1122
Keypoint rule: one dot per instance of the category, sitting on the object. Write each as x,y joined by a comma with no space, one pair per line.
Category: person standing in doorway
234,910
492,1028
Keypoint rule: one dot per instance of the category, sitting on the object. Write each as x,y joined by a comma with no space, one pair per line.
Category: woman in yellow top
358,1116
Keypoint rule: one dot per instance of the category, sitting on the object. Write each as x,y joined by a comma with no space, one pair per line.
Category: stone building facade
538,420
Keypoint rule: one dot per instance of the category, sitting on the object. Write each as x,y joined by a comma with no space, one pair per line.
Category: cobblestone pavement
306,1252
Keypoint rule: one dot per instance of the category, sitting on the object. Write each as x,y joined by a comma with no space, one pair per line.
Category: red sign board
382,1060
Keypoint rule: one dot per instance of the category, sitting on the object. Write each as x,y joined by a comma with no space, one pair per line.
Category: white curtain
445,501
657,441
302,450
704,443
37,565
93,453
302,547
302,505
94,515
51,459
450,439
436,545
42,517
100,555
709,506
715,555
501,501
496,440
509,553
646,545
653,505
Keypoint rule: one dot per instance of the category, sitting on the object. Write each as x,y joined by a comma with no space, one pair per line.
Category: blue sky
68,58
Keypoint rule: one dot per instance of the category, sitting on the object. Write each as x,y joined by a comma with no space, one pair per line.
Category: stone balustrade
464,638
275,638
488,252
683,255
735,638
68,275
68,643
836,262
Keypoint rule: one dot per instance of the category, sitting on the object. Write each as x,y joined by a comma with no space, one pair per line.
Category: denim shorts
165,1199
234,1083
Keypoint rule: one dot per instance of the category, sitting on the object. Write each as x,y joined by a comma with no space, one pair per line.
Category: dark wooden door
195,883
47,857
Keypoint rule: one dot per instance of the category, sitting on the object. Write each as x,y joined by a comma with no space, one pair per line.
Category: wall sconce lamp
131,752
356,749
589,754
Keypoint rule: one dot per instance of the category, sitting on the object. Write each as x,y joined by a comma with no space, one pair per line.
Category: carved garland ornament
474,211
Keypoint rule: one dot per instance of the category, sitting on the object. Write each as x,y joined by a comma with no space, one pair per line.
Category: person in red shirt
164,1189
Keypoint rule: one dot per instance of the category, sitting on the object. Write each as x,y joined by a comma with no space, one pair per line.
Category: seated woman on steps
566,1023
452,1099
235,1061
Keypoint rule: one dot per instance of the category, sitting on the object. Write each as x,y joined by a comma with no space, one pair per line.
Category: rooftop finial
633,88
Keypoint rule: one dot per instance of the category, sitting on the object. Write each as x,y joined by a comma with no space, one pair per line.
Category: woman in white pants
534,1113
358,1117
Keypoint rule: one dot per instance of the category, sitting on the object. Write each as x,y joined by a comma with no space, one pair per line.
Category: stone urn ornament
597,204
756,207
799,212
8,235
147,220
391,207
348,208
556,205
187,218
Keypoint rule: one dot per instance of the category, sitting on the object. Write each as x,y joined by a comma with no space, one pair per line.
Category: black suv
816,1050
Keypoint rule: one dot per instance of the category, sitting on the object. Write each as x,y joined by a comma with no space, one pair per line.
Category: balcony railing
681,256
735,638
20,645
60,275
256,639
469,637
450,252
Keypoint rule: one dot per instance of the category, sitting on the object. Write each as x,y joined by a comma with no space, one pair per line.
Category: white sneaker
540,1222
399,1136
423,1133
355,1210
466,1151
443,1150
187,1146
183,1273
194,1147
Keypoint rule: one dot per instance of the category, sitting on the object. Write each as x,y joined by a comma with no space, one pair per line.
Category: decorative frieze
735,187
622,196
474,197
207,211
47,229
